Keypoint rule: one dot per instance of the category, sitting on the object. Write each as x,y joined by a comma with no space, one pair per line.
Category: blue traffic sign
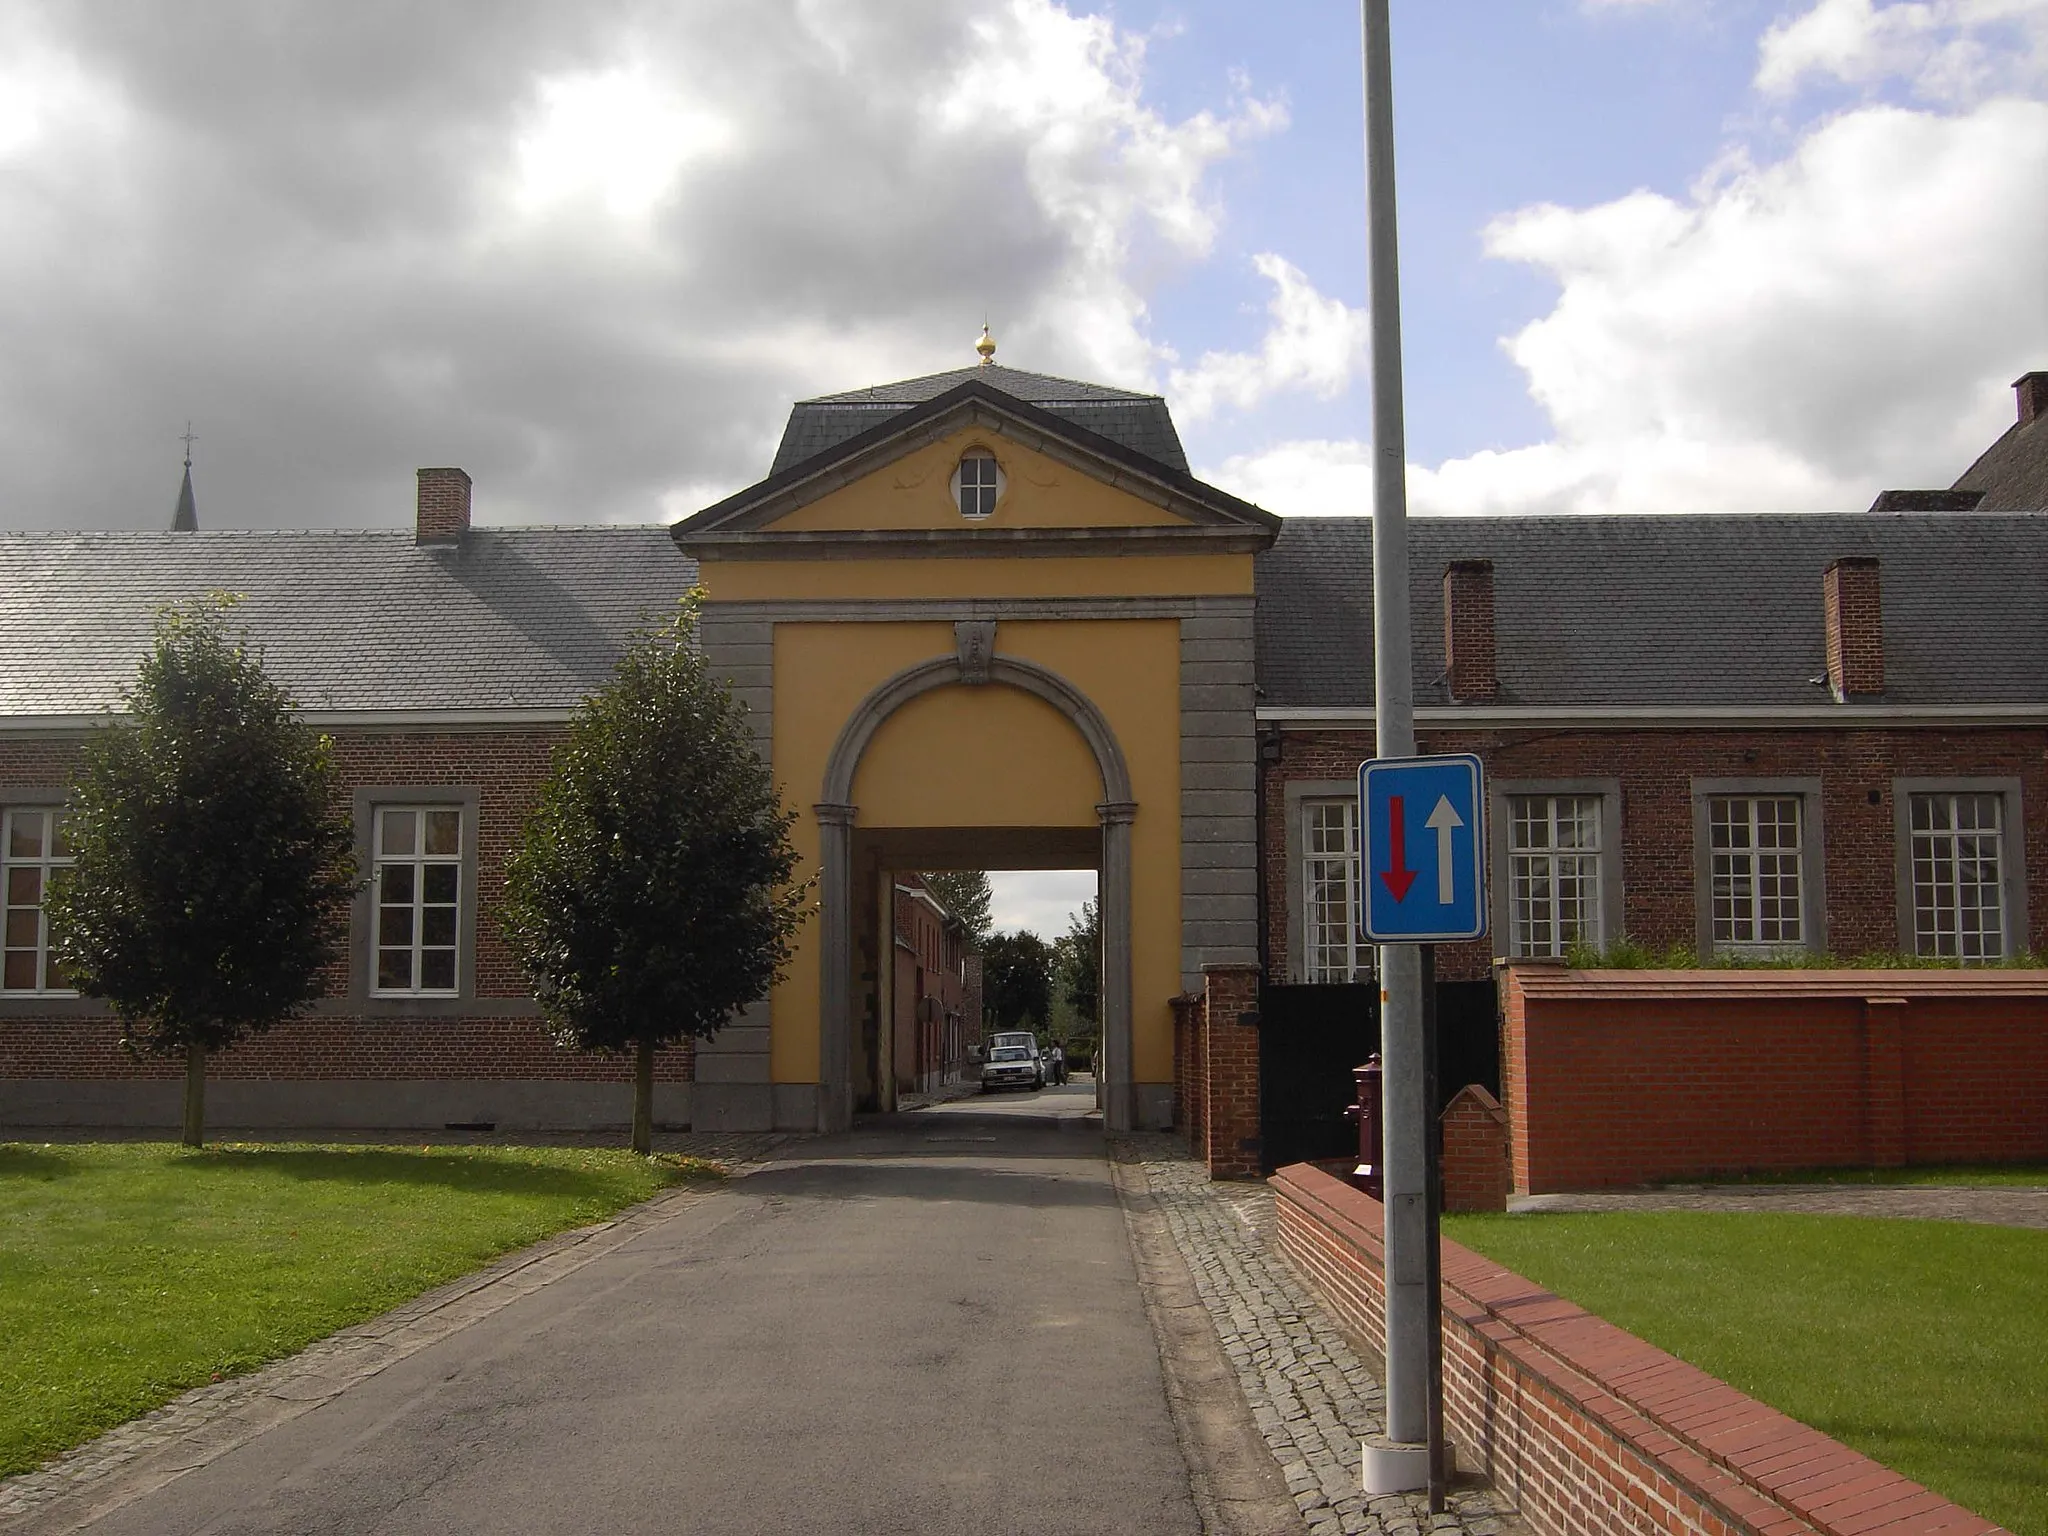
1424,849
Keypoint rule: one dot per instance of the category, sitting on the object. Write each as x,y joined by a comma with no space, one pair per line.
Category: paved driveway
930,1325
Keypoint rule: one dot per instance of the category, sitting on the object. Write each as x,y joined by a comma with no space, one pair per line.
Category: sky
1657,255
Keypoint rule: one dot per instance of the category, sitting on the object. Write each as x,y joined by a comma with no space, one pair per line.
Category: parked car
1013,1061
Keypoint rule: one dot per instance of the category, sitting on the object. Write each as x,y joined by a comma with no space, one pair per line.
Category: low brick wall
1586,1428
1627,1077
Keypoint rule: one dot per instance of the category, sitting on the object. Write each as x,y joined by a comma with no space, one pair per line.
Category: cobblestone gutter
1310,1395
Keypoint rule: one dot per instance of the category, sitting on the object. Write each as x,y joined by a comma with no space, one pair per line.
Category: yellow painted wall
734,581
916,491
991,756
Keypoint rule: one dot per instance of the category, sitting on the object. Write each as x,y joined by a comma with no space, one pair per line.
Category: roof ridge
1104,392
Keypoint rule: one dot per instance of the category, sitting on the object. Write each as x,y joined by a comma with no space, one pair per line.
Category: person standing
1059,1062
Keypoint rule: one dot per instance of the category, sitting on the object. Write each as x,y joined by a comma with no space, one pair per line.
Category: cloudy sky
1657,254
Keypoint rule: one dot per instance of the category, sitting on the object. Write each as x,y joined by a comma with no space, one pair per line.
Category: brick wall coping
1759,1469
1552,981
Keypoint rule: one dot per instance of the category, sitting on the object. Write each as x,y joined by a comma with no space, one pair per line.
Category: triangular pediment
893,487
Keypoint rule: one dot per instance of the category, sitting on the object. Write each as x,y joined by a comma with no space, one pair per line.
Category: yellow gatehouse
987,620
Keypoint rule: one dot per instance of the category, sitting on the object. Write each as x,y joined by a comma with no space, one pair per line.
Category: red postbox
1368,1174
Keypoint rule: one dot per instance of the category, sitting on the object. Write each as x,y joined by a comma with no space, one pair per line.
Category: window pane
394,968
394,925
24,887
21,970
444,832
437,970
441,881
25,835
437,925
60,839
395,884
24,928
400,832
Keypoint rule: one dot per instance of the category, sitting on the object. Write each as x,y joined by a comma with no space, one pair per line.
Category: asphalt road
930,1325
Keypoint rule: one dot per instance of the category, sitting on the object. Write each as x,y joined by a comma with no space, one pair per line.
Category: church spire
186,518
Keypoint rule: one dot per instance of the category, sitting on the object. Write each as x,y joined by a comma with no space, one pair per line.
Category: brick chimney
2032,389
1853,611
1468,630
443,508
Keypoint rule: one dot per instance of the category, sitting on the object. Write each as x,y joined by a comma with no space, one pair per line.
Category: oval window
977,483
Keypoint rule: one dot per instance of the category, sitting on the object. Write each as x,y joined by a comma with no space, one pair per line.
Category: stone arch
974,665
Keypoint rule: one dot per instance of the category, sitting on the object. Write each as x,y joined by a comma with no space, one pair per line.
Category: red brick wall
1230,1071
1476,1175
1626,1077
1586,1428
1655,770
505,768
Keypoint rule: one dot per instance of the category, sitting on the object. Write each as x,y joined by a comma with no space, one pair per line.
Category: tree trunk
643,1097
195,1094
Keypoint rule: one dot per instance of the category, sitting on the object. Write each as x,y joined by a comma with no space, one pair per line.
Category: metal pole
1401,1043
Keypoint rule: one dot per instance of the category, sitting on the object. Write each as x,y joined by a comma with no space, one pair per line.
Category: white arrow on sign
1441,821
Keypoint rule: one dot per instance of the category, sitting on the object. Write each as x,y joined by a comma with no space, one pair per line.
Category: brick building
1826,731
929,1001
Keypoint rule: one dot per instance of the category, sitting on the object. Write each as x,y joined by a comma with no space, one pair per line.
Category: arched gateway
987,619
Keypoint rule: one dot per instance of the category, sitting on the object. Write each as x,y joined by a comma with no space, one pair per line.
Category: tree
1077,966
1016,980
966,894
212,868
651,895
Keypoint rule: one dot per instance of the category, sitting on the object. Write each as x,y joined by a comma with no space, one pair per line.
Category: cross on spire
186,518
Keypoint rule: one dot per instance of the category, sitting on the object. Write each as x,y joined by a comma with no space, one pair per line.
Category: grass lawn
1984,1175
1923,1344
130,1272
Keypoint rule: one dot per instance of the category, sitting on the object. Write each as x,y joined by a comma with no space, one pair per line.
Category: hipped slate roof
972,395
1138,422
2013,472
509,619
1668,612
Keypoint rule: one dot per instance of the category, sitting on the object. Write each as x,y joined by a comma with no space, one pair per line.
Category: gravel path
1311,1396
1996,1206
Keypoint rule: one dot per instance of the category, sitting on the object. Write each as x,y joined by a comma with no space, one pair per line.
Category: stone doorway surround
974,664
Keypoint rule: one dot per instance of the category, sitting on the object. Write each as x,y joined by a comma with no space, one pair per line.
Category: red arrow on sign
1399,877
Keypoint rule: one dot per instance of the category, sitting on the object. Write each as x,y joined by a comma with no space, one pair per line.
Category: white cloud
1313,343
1793,335
1040,901
590,252
1946,50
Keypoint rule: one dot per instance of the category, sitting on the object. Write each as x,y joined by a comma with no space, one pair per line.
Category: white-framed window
1331,950
1554,853
1957,856
31,846
977,483
1755,878
417,895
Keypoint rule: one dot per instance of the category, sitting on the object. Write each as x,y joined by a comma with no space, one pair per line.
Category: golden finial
986,347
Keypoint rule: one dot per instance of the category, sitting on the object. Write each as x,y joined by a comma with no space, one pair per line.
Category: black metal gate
1310,1038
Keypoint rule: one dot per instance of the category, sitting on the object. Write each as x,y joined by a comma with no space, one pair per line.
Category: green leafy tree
1016,980
652,894
1078,964
212,870
1077,977
966,894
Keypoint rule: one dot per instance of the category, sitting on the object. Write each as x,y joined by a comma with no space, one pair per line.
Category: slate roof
1139,422
510,619
2012,473
1673,612
890,421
